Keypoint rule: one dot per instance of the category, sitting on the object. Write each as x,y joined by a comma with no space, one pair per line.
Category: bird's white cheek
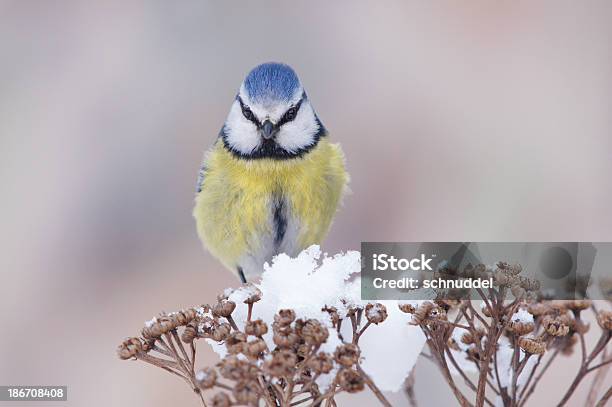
299,133
241,134
243,138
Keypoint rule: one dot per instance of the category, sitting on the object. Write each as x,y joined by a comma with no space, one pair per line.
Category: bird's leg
241,275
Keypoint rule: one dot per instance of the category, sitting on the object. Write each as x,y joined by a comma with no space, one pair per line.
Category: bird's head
271,116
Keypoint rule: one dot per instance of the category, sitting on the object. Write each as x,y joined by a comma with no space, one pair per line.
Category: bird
272,181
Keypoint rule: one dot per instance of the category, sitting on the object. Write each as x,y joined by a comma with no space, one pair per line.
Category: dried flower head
604,319
580,326
376,313
333,315
282,363
321,363
233,368
555,326
521,322
129,348
406,307
421,313
502,265
538,309
221,400
256,328
183,317
480,270
529,284
437,313
223,308
254,294
284,317
298,325
472,336
578,305
206,325
221,332
353,310
206,378
350,381
189,333
158,326
236,342
247,392
284,337
255,348
347,355
558,306
521,327
303,350
314,333
567,344
515,269
518,291
166,323
502,279
532,345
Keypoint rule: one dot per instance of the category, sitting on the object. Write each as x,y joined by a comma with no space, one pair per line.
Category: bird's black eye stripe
291,113
247,113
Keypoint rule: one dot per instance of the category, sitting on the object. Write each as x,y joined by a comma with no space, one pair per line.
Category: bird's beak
267,130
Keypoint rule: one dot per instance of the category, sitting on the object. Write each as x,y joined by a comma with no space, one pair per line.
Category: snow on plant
302,335
312,285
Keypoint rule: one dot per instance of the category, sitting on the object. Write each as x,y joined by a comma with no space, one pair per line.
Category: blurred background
470,122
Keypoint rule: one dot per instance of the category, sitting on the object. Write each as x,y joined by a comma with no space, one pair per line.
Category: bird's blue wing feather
201,175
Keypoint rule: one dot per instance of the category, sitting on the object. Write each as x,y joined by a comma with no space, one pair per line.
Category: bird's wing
201,174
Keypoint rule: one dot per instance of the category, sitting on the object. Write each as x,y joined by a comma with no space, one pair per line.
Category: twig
602,402
502,390
584,368
531,374
599,377
383,400
295,403
597,366
466,379
183,352
193,355
409,389
444,367
538,377
250,311
361,331
201,398
232,322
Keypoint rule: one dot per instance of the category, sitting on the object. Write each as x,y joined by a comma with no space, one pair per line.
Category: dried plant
253,373
509,343
515,326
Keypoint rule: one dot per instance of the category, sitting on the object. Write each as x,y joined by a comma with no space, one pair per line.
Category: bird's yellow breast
233,211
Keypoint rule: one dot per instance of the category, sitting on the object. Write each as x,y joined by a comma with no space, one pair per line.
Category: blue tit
272,181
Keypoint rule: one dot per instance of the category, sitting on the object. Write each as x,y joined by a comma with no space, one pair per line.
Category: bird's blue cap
271,82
